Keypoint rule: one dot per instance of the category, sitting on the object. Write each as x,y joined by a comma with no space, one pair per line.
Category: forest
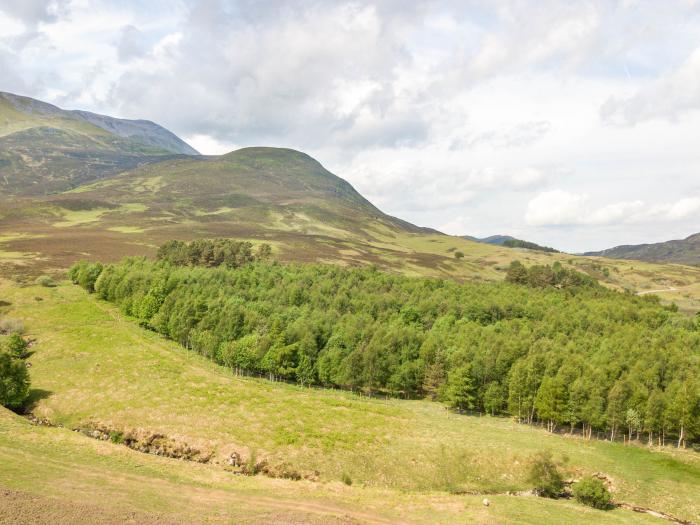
548,346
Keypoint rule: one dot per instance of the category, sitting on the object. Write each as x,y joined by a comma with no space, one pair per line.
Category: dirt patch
22,507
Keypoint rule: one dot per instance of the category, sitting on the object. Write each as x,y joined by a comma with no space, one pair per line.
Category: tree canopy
550,345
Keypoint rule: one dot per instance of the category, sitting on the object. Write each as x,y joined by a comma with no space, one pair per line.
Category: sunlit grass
100,366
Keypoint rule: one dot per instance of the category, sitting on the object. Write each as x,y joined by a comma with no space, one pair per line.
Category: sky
574,124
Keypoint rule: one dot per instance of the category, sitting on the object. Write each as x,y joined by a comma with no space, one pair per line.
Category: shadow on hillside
35,395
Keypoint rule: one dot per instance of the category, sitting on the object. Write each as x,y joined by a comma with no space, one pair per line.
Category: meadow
414,460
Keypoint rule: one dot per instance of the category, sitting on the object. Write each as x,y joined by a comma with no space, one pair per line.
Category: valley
90,364
361,371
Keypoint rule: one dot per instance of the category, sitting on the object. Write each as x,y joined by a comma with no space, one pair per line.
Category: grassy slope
65,468
281,197
98,366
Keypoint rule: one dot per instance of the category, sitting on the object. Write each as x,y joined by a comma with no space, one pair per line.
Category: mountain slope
683,251
70,190
44,149
34,111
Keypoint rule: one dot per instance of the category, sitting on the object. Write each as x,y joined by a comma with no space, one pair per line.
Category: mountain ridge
681,251
146,131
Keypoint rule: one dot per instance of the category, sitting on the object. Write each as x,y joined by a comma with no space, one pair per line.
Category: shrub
116,437
593,492
459,255
17,346
544,475
45,281
14,382
251,467
345,478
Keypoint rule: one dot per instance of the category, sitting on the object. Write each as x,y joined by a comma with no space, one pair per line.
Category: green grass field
64,469
406,458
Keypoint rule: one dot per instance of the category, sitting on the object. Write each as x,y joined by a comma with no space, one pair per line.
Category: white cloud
562,208
208,145
669,97
556,208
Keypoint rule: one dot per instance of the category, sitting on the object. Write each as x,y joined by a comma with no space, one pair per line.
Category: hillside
511,242
148,196
281,197
44,149
176,427
683,251
409,461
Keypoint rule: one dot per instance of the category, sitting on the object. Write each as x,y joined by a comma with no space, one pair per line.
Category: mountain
71,189
511,242
683,251
45,149
280,195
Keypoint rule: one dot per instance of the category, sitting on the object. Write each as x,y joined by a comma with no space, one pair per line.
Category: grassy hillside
683,251
277,196
91,366
55,476
45,150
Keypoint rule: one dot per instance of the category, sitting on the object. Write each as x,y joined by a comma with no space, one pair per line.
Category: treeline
517,243
561,350
543,276
212,253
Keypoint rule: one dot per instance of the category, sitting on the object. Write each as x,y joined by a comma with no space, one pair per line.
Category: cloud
132,44
460,225
209,145
669,97
31,12
562,208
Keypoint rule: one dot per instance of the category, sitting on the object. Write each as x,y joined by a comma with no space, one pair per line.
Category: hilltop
45,149
682,251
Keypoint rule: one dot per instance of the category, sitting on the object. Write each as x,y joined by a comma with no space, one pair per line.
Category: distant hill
45,149
511,242
683,251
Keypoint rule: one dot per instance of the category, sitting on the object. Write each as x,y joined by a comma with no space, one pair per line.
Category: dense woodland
550,347
517,243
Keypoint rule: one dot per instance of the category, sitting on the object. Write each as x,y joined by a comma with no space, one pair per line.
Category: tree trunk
680,437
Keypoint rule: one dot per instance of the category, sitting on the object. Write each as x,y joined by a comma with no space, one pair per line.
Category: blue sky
573,124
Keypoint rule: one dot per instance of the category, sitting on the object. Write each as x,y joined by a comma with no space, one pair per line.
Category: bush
116,437
45,281
345,478
459,255
545,477
251,466
14,382
17,346
593,492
